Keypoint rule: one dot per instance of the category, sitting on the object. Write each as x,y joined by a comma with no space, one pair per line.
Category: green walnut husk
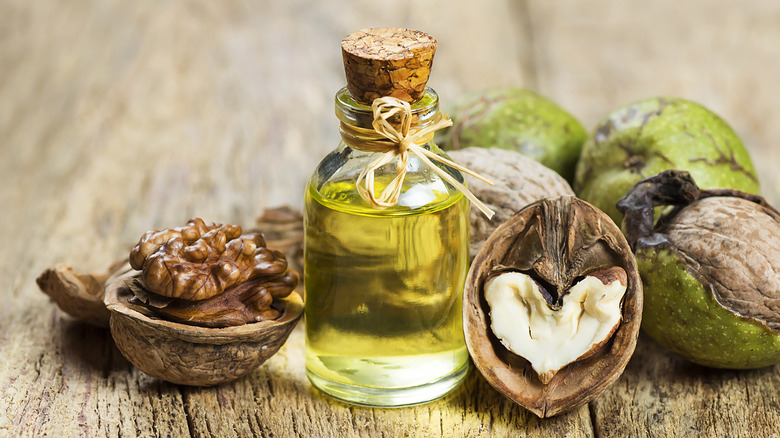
653,135
710,267
517,119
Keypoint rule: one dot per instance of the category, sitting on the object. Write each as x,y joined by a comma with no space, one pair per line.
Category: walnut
282,229
210,275
710,265
563,320
209,305
548,331
518,181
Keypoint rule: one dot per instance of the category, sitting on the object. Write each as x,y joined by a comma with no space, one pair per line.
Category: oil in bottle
384,285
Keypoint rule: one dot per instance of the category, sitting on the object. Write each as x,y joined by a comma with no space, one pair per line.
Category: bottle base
390,397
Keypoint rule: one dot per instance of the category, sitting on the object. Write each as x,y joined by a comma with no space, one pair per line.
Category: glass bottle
384,285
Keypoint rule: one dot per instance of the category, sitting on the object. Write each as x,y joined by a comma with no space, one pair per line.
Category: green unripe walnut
521,120
653,135
681,314
710,269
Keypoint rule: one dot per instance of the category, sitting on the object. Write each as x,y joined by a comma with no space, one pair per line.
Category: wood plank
279,400
118,117
661,394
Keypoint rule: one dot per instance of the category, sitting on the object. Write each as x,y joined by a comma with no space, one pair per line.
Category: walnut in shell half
210,275
552,305
194,355
209,305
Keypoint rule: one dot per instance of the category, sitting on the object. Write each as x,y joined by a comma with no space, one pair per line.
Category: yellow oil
384,295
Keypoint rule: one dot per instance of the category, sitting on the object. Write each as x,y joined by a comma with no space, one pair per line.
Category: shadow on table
92,347
478,399
652,361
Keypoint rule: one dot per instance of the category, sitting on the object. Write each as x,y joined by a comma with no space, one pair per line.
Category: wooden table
119,117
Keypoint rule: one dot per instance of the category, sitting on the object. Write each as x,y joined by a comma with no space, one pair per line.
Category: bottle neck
350,112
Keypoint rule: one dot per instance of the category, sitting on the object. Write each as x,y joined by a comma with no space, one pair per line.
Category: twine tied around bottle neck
392,142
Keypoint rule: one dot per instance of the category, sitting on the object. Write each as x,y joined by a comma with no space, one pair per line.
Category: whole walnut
517,182
711,270
520,120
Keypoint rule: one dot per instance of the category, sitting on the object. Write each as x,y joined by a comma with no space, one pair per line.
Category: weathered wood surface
118,117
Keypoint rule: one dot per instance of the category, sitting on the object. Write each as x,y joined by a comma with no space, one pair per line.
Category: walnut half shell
193,355
558,243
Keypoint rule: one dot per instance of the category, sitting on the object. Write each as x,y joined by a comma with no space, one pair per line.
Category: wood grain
119,117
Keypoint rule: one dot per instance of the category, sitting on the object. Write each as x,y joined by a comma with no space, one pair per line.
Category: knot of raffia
392,142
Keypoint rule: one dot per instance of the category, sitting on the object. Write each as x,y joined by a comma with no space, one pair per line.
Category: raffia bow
392,142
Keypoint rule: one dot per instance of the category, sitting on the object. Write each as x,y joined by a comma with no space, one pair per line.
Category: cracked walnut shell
81,295
711,270
563,246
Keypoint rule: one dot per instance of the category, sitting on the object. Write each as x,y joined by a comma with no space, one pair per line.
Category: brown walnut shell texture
517,182
556,241
742,264
193,355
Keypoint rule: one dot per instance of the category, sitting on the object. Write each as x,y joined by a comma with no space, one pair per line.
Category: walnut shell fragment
81,295
193,355
556,242
517,182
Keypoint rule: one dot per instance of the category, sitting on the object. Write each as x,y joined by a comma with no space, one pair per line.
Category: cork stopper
387,62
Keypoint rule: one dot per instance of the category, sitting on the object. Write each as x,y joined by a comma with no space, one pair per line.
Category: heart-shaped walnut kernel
551,336
571,249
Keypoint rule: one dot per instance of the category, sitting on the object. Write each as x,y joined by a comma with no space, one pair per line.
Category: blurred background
143,95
